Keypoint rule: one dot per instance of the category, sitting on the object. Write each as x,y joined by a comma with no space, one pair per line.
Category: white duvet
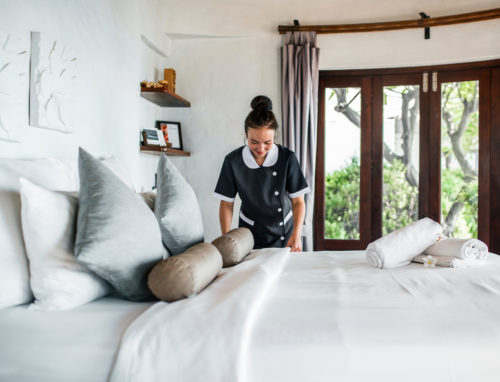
323,316
203,338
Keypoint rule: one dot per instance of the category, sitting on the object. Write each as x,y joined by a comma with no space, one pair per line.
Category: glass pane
401,132
459,158
342,162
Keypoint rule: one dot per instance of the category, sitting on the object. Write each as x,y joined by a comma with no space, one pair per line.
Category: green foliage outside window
459,180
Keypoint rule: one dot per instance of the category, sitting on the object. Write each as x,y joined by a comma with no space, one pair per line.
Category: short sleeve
226,185
296,184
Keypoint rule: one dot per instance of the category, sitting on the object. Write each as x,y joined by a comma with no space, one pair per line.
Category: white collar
271,157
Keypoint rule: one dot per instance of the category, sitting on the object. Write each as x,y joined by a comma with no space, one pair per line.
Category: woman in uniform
269,181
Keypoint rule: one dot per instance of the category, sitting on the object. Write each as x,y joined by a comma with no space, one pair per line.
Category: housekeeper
269,181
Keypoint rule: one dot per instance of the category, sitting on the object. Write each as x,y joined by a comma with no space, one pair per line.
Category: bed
276,316
74,345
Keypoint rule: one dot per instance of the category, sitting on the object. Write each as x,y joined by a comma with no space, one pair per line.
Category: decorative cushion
57,280
234,245
56,174
186,274
118,236
177,209
149,198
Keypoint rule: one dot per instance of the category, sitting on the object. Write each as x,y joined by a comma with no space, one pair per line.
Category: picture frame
172,133
153,137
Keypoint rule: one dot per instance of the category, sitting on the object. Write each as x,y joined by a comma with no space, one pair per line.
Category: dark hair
262,114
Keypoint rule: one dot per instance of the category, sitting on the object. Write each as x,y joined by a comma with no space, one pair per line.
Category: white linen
332,317
399,247
450,261
74,345
51,173
466,249
328,317
56,174
468,288
203,338
57,280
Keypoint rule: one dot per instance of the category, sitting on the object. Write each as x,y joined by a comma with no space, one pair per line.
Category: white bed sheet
326,316
75,345
332,317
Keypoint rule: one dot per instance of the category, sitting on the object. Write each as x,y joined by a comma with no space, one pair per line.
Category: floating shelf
167,150
164,97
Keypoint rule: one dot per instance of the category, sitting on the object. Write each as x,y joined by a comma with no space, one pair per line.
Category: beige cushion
186,274
234,245
149,198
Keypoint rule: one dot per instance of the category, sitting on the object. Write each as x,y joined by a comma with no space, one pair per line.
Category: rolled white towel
466,249
450,261
399,247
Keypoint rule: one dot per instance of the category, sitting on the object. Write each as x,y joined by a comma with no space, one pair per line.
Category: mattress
332,317
75,345
277,316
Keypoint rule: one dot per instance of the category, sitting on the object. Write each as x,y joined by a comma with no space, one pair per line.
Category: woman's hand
299,211
295,243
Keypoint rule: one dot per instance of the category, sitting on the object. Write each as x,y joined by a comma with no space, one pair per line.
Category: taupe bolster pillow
234,245
184,275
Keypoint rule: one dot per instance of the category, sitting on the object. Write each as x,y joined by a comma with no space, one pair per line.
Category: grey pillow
186,274
234,245
177,209
117,236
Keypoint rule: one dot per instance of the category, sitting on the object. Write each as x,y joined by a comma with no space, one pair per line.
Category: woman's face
260,141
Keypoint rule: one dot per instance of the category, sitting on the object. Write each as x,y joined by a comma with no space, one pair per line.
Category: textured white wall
106,37
226,52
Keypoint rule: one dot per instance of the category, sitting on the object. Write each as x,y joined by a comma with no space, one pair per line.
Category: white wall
106,37
224,52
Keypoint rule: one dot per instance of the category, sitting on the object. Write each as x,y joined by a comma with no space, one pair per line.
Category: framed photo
172,133
153,137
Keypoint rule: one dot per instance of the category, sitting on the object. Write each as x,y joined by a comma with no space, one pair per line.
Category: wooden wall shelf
157,150
164,97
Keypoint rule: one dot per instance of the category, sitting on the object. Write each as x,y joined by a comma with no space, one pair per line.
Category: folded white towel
450,261
466,249
399,247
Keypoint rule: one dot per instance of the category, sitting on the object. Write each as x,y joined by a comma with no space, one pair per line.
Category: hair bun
261,103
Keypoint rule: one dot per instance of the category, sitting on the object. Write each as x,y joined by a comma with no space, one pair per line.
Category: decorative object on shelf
52,84
171,132
169,77
154,85
154,137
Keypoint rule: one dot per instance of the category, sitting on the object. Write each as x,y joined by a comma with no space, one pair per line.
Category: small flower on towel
429,261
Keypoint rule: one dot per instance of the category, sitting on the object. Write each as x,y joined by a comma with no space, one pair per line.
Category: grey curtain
299,97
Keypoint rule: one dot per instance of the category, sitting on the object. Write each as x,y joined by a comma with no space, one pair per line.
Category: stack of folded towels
456,253
420,239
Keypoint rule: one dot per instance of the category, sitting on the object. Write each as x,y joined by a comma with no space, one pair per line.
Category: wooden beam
394,25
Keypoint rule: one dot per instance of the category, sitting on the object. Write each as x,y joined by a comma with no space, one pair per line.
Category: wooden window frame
488,72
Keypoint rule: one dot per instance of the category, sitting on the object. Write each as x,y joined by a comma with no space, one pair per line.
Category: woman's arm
225,215
299,212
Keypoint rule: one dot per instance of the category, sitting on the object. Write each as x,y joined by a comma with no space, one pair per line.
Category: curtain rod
393,25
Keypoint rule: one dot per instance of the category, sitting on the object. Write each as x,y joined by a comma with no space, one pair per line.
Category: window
396,145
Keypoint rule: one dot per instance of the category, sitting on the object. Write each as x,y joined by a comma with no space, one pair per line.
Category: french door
396,145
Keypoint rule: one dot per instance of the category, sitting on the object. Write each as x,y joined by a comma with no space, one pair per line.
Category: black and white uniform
265,192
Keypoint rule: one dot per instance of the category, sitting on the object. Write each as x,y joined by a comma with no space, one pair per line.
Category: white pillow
57,280
51,173
55,174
